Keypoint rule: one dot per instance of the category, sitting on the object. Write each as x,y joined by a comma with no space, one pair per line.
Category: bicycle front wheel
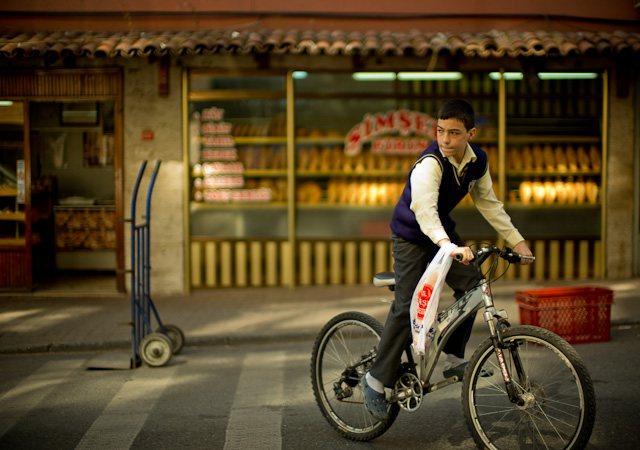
343,352
556,408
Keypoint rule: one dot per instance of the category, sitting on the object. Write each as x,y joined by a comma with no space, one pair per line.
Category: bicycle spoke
550,409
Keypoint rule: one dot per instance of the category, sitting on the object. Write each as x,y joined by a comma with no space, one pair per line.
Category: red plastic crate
578,314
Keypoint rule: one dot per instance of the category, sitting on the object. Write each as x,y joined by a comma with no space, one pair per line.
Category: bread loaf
549,192
538,192
371,161
372,194
514,159
492,155
336,158
526,192
383,193
581,191
325,159
309,192
352,193
584,162
527,158
572,158
302,158
592,191
561,192
314,159
570,189
333,194
348,163
594,156
538,157
363,193
549,158
561,159
343,191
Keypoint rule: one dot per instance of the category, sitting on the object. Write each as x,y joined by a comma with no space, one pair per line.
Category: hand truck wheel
176,336
155,349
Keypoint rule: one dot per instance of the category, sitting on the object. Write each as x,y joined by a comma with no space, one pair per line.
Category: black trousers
410,262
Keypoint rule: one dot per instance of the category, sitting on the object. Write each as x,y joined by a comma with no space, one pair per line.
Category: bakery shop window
238,150
238,155
554,153
357,136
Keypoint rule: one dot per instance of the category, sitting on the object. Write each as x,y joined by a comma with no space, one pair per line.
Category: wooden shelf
553,173
550,138
13,242
72,128
347,206
8,191
345,174
201,96
265,173
13,216
202,206
259,140
518,205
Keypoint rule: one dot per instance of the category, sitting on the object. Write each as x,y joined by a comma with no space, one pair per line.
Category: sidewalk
74,322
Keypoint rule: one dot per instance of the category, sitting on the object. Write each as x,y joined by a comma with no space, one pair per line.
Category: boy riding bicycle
441,177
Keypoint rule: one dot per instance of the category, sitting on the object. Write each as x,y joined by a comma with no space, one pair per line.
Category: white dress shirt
425,185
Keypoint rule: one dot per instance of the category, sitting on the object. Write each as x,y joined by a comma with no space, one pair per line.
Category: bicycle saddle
383,279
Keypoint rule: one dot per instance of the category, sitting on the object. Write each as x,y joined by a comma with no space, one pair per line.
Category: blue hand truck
154,348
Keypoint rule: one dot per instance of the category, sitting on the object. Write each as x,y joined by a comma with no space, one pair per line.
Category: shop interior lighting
429,76
567,75
507,75
6,103
374,76
299,75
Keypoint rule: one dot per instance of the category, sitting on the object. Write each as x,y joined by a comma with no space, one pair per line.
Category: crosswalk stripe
123,418
255,420
27,394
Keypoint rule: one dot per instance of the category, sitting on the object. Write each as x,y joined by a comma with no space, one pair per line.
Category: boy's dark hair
458,109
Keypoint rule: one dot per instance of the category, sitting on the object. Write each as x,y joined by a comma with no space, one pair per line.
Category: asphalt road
255,396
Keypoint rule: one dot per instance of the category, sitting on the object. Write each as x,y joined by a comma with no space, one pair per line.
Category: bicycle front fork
495,330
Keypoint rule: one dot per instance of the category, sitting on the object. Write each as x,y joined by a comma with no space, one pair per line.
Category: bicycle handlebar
508,254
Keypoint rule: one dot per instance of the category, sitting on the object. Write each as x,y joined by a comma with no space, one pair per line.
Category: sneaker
375,402
459,372
455,371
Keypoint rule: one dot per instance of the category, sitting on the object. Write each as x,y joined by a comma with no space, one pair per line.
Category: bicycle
524,387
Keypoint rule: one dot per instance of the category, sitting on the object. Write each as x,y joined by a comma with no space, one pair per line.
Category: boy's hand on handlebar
523,249
463,254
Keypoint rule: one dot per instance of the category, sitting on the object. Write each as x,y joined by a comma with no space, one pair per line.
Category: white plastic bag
426,298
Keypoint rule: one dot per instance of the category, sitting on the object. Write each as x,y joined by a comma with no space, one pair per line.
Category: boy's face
453,137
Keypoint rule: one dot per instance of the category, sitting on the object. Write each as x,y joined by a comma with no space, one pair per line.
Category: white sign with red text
394,133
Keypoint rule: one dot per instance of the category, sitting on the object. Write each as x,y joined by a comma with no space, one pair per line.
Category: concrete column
620,185
146,111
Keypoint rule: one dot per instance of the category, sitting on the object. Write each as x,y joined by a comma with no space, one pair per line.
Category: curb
217,341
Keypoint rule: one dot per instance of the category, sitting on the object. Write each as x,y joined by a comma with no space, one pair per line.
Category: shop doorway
61,188
73,149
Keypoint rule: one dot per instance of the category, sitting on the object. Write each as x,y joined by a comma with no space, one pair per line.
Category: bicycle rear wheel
558,409
343,352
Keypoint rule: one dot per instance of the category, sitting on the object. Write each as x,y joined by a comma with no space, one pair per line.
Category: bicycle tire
335,372
560,407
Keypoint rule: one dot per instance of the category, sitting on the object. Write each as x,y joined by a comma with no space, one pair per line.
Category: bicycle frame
448,321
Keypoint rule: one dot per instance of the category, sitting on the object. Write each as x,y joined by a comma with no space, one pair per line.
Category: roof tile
18,44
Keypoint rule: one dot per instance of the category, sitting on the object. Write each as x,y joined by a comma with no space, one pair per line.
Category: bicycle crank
408,392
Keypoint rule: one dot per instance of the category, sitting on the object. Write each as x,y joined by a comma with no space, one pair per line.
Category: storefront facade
283,152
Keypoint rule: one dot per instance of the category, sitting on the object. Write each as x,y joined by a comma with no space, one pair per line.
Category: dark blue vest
403,221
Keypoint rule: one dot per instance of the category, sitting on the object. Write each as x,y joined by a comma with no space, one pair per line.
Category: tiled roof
329,42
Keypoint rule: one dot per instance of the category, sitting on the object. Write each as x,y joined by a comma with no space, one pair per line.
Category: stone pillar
620,185
152,131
